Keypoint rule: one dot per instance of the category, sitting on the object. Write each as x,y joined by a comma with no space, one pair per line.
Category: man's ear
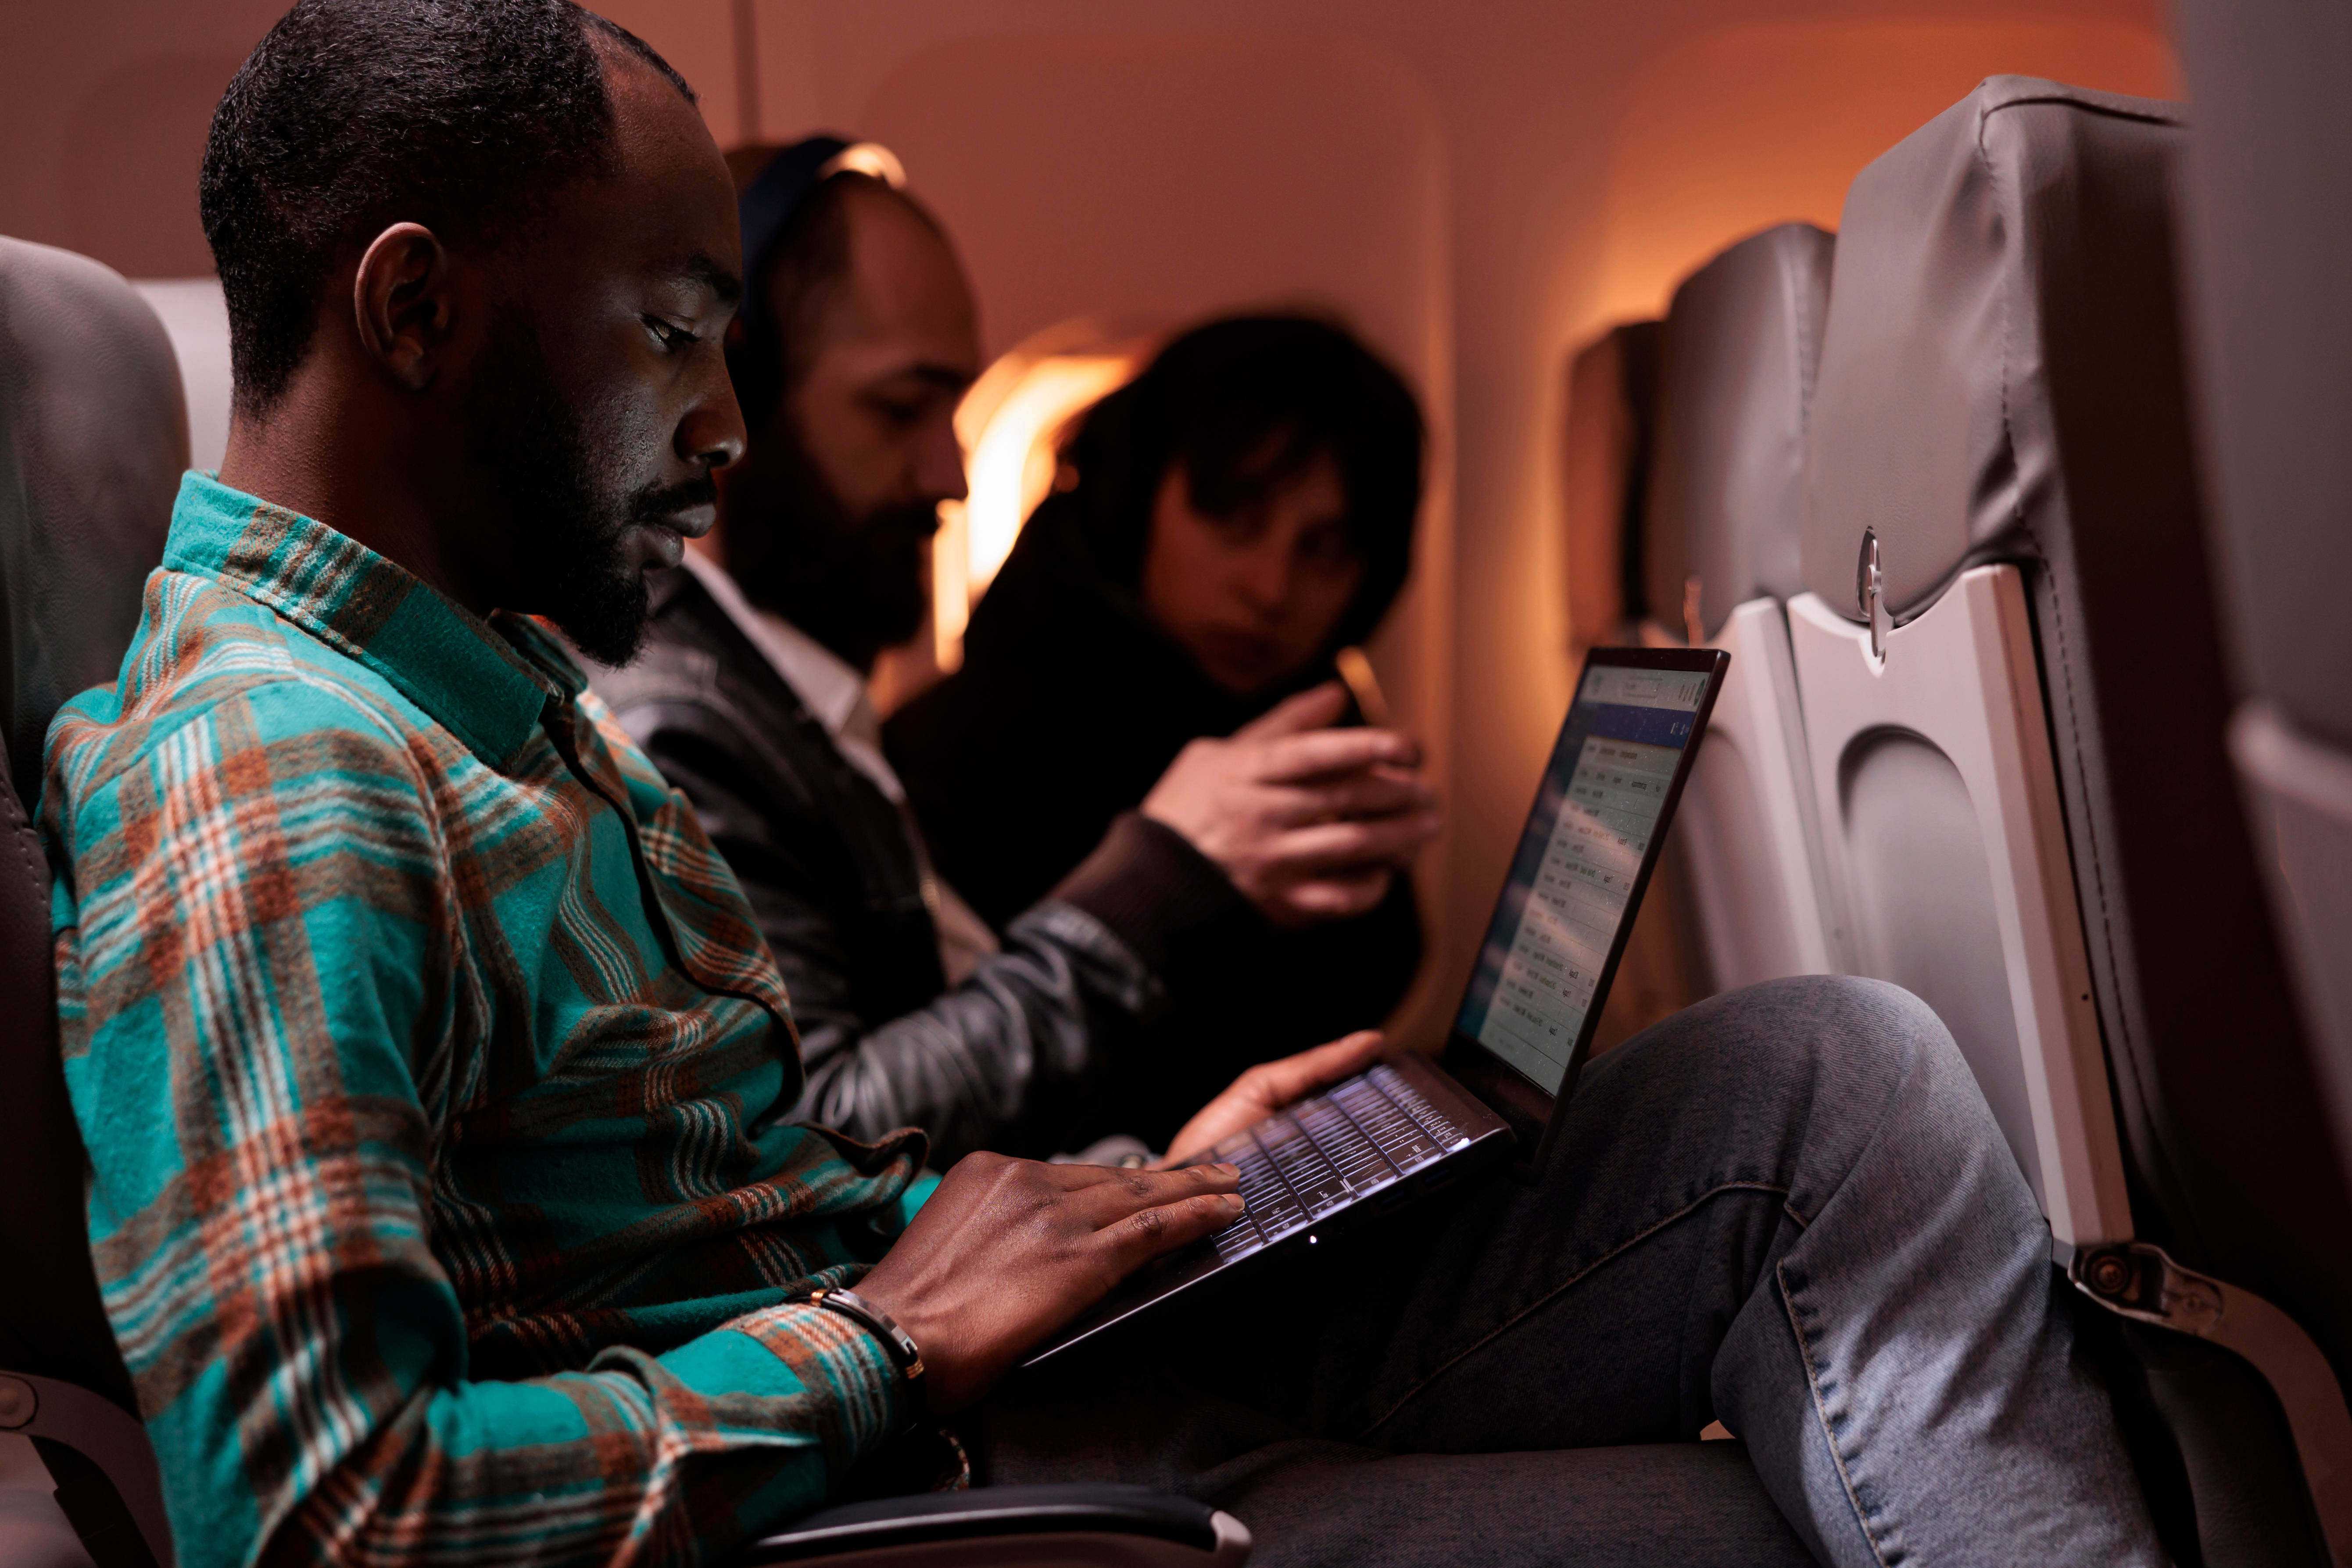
403,303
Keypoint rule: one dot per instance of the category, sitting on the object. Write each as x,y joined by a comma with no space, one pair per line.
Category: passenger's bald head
852,235
849,377
895,279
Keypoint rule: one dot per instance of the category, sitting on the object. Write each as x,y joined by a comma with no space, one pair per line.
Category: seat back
195,316
1606,449
1605,452
92,441
1737,354
2014,707
2271,219
1719,551
93,438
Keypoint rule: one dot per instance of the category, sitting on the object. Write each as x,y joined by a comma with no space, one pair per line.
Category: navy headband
765,208
769,201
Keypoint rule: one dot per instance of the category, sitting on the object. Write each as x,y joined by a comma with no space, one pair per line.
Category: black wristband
901,1346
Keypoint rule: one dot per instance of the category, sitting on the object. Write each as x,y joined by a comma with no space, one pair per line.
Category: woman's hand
1270,1087
1311,823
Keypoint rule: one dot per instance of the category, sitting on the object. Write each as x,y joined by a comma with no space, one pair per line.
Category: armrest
104,1469
1127,1526
34,1531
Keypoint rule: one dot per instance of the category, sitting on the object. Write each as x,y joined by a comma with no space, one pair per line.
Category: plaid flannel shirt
422,1046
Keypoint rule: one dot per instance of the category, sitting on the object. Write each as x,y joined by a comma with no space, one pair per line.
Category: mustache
654,503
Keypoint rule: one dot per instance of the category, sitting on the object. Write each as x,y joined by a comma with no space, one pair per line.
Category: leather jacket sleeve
1006,1060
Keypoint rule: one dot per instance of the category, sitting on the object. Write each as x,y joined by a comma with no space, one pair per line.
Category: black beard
565,523
858,585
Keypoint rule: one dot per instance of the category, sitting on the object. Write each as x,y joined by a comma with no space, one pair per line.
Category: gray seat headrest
1605,455
2005,288
1736,365
93,440
2271,167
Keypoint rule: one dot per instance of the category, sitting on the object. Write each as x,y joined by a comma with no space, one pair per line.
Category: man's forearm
1078,977
614,1463
1061,994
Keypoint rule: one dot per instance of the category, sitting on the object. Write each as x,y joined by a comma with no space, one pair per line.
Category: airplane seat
92,442
99,469
1736,362
2271,209
2014,706
196,317
1605,447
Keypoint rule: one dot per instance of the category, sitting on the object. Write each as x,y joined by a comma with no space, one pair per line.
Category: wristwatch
901,1346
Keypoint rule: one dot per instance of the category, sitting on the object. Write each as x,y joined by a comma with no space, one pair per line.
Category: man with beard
856,339
430,1065
429,1062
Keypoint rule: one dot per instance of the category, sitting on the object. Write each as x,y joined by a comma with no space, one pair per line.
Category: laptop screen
1581,860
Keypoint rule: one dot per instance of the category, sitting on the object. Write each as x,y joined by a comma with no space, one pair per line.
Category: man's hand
1007,1251
1311,823
1271,1085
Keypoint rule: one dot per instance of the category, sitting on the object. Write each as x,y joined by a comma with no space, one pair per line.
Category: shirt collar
487,682
828,686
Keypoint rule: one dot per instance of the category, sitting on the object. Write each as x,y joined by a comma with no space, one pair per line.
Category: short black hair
353,115
798,277
1245,404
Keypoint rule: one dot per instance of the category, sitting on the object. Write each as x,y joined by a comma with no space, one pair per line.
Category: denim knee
1816,1063
1865,1034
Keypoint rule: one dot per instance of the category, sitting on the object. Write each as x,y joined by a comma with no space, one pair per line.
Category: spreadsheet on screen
1621,748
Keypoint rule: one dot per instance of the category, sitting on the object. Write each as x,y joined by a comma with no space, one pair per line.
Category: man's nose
939,462
711,436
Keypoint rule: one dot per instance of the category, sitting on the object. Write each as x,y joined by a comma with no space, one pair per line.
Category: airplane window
1009,422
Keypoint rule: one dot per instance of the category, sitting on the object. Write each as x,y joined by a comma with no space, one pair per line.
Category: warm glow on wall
1010,423
1765,122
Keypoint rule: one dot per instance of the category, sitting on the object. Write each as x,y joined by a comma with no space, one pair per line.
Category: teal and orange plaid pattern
422,1046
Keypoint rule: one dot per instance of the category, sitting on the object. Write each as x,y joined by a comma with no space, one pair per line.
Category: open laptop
1527,1021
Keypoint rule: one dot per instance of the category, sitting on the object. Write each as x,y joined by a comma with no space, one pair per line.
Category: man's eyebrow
714,275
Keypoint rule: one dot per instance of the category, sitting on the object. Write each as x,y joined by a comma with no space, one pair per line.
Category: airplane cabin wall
1479,186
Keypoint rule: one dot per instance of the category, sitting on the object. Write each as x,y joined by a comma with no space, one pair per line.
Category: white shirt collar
828,686
833,691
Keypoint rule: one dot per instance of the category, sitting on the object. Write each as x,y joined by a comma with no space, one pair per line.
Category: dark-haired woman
1225,523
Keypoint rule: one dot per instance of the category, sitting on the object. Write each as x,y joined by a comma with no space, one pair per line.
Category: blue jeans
1787,1209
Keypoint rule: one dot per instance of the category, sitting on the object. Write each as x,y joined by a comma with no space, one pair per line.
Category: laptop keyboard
1329,1151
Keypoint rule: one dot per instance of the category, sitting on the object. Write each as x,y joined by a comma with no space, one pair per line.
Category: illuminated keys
1433,1121
1399,1139
1326,1152
1312,1180
1357,1159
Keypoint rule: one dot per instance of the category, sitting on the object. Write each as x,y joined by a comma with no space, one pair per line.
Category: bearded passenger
857,337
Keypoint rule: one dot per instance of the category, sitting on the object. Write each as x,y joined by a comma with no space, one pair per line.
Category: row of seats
1933,484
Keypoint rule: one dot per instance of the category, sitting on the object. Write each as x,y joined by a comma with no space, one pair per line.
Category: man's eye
669,334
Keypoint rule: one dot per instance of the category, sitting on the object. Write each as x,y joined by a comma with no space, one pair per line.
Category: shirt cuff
1153,889
844,1367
